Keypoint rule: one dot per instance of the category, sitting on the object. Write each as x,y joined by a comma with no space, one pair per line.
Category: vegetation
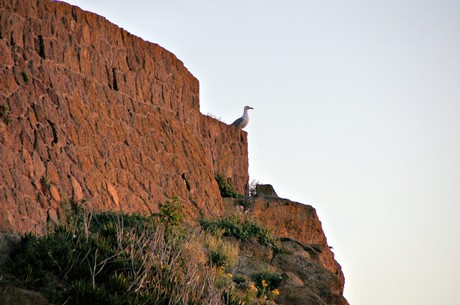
244,229
170,214
215,117
225,187
253,188
5,114
222,253
111,258
262,287
267,283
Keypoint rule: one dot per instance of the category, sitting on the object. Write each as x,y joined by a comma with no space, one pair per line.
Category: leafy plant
269,280
225,187
243,229
244,202
170,214
267,284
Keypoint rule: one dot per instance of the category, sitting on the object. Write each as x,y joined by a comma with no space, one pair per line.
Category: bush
243,229
225,187
267,280
171,213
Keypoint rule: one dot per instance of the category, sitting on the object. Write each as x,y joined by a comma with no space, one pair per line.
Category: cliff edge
300,229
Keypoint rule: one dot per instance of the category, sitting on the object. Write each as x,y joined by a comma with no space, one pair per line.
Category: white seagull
244,120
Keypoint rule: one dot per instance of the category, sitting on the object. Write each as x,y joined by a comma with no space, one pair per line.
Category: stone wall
94,115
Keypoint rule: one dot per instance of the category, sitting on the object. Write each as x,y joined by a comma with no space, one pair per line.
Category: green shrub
267,280
171,213
243,229
244,202
218,258
240,279
225,187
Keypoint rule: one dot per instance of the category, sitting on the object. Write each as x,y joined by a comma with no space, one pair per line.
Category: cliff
93,116
300,228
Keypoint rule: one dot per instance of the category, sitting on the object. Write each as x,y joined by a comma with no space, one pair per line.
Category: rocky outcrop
297,221
305,281
310,262
95,115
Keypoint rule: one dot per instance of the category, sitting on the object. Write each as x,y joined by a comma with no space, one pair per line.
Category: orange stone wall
99,117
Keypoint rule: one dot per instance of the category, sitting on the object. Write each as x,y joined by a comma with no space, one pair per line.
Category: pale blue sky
357,112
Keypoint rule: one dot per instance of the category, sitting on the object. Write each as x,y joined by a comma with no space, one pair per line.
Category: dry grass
214,117
120,259
222,252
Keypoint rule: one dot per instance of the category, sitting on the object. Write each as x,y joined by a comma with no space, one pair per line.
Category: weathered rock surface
12,295
100,116
305,281
311,262
7,243
297,221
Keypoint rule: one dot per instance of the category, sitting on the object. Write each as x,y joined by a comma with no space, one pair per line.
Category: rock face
93,115
15,296
310,273
297,221
304,280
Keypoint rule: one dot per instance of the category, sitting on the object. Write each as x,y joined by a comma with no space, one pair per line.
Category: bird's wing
237,122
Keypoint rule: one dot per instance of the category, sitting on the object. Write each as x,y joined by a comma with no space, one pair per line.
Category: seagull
244,120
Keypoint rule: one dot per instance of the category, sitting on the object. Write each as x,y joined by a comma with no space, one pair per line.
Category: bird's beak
251,108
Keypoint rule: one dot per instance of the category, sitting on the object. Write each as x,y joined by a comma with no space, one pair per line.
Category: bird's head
247,108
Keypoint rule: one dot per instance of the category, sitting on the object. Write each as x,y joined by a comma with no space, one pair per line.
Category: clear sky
357,112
